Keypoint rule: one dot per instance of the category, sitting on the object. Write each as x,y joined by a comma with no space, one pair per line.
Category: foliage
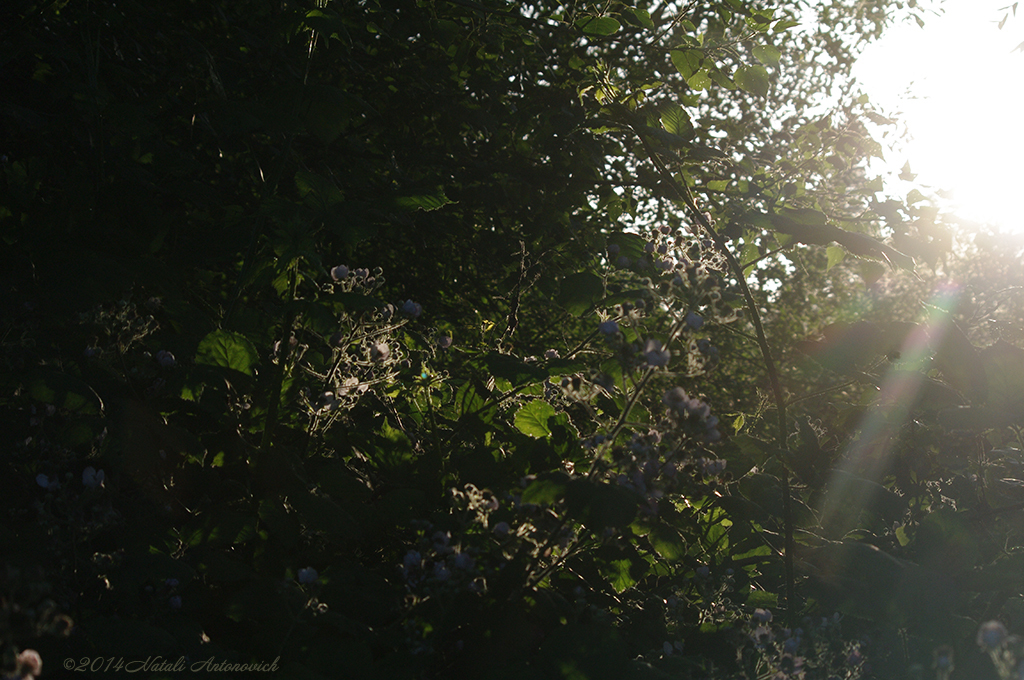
437,338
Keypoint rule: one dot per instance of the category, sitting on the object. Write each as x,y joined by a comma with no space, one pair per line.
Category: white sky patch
959,87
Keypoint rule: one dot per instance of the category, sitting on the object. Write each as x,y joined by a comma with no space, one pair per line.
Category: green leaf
915,196
597,505
784,25
699,80
1004,369
353,302
532,419
667,542
753,79
580,291
617,573
326,111
957,359
316,190
546,490
768,55
835,256
514,370
630,245
762,599
65,391
227,350
422,201
598,25
320,513
677,121
721,79
644,17
687,62
901,535
848,495
806,225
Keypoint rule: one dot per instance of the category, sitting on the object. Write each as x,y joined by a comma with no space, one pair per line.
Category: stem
284,351
684,194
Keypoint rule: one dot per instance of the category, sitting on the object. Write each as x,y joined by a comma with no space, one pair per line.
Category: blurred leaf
850,348
699,80
958,360
64,391
835,256
598,506
848,495
422,201
762,599
753,79
579,292
859,578
644,17
630,245
320,513
741,510
1004,370
784,25
767,55
667,542
687,62
546,490
601,26
947,540
317,191
513,369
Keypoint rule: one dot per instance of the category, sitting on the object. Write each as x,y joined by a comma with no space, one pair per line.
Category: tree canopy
438,338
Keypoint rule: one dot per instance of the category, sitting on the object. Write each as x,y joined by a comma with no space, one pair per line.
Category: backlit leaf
532,419
768,55
580,291
835,256
677,121
687,62
227,350
753,79
617,573
598,25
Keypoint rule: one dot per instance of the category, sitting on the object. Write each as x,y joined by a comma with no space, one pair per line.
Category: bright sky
960,87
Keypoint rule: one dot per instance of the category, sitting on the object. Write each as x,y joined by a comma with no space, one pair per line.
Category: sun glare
958,85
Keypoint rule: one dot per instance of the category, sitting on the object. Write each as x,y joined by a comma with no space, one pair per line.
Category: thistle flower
30,664
991,634
411,560
656,354
47,483
379,351
93,478
413,309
